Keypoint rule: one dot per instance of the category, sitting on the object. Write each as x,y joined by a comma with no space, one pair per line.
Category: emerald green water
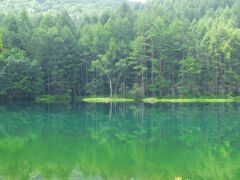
122,141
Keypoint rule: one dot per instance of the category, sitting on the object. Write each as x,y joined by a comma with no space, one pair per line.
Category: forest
163,48
76,8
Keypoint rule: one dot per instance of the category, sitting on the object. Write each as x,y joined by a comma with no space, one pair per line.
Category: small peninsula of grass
195,100
106,100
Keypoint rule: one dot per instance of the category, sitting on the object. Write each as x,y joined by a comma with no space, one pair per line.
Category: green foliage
53,98
180,49
1,44
45,99
77,8
19,76
136,91
237,98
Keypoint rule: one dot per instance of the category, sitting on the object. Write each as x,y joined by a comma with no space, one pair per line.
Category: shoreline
156,100
194,100
106,100
152,100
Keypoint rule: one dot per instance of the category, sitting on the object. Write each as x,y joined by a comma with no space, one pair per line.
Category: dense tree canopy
162,48
77,8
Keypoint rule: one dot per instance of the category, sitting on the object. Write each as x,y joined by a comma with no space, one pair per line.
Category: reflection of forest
163,141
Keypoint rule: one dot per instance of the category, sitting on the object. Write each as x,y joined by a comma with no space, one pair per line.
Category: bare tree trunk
48,81
110,85
111,91
183,58
160,73
144,64
79,90
116,86
74,86
143,82
216,81
208,78
152,63
142,77
86,68
169,82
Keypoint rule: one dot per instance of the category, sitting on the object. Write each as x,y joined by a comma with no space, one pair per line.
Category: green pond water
130,141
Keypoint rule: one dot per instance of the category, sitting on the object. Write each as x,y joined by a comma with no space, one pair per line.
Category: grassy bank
65,98
106,100
194,100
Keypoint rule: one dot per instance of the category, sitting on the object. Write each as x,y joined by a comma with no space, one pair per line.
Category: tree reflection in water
119,141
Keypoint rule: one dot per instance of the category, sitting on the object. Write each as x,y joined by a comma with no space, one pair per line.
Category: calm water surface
120,141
